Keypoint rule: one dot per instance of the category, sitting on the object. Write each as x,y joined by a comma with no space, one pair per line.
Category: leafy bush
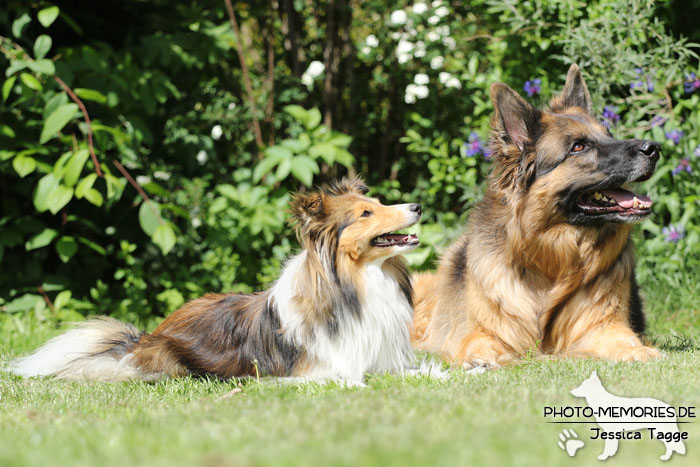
142,165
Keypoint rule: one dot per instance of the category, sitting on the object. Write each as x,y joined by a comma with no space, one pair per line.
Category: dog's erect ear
594,375
307,207
575,93
515,119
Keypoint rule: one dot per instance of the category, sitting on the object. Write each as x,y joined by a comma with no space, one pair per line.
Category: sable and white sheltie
341,308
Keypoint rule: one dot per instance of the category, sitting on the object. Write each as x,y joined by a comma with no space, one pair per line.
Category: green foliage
400,98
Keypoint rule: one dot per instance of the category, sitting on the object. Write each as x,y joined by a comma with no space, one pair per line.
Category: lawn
494,418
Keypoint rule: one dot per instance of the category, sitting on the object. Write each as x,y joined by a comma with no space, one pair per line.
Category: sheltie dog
341,308
546,264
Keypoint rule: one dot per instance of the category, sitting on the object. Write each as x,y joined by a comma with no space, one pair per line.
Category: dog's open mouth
394,239
617,200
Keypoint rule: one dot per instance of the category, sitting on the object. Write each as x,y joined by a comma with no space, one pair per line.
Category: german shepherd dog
546,263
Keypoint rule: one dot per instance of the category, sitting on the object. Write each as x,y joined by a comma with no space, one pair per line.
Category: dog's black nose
415,207
650,149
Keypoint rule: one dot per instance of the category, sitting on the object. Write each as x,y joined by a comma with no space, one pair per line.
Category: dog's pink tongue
625,198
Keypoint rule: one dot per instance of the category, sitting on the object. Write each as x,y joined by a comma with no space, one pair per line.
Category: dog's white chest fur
375,341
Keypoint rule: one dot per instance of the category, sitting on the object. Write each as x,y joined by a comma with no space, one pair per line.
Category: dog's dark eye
366,213
578,147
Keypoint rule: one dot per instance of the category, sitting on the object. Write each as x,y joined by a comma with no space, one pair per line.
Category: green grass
495,418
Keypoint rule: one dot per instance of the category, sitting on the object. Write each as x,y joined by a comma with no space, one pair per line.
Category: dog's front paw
641,354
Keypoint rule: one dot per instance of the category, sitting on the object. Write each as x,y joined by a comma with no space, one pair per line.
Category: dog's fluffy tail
97,349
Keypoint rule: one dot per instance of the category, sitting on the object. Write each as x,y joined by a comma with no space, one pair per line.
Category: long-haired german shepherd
546,263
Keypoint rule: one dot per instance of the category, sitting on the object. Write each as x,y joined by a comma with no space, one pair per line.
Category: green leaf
90,95
314,119
59,197
30,81
43,190
326,151
304,169
42,45
47,16
273,156
283,169
75,167
298,112
66,247
340,139
41,239
84,185
23,165
23,303
19,24
15,66
57,120
7,131
149,217
94,196
164,237
43,66
7,87
55,102
61,299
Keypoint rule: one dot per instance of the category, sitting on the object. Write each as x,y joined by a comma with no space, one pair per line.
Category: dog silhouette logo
618,417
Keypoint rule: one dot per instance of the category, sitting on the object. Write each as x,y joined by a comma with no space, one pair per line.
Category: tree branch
83,109
246,78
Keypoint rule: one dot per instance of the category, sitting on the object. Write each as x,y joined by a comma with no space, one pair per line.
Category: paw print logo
569,442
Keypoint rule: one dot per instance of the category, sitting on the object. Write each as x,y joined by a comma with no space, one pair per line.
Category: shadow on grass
676,343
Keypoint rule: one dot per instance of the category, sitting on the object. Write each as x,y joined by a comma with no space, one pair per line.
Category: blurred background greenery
198,150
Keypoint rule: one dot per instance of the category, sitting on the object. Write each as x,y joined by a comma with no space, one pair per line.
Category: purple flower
473,147
673,233
674,135
610,116
533,87
658,120
641,79
697,151
683,166
692,83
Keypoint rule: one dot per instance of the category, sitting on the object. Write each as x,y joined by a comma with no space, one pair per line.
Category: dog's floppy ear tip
307,205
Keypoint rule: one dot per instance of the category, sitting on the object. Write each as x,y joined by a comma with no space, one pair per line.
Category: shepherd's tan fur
522,279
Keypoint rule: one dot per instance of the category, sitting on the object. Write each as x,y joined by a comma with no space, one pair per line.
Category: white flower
420,49
232,106
404,47
143,179
366,50
450,43
398,17
216,132
161,175
403,50
443,30
453,83
444,77
437,3
372,40
202,157
437,62
396,35
442,11
420,8
307,80
196,222
409,98
432,36
421,78
315,68
420,91
434,20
